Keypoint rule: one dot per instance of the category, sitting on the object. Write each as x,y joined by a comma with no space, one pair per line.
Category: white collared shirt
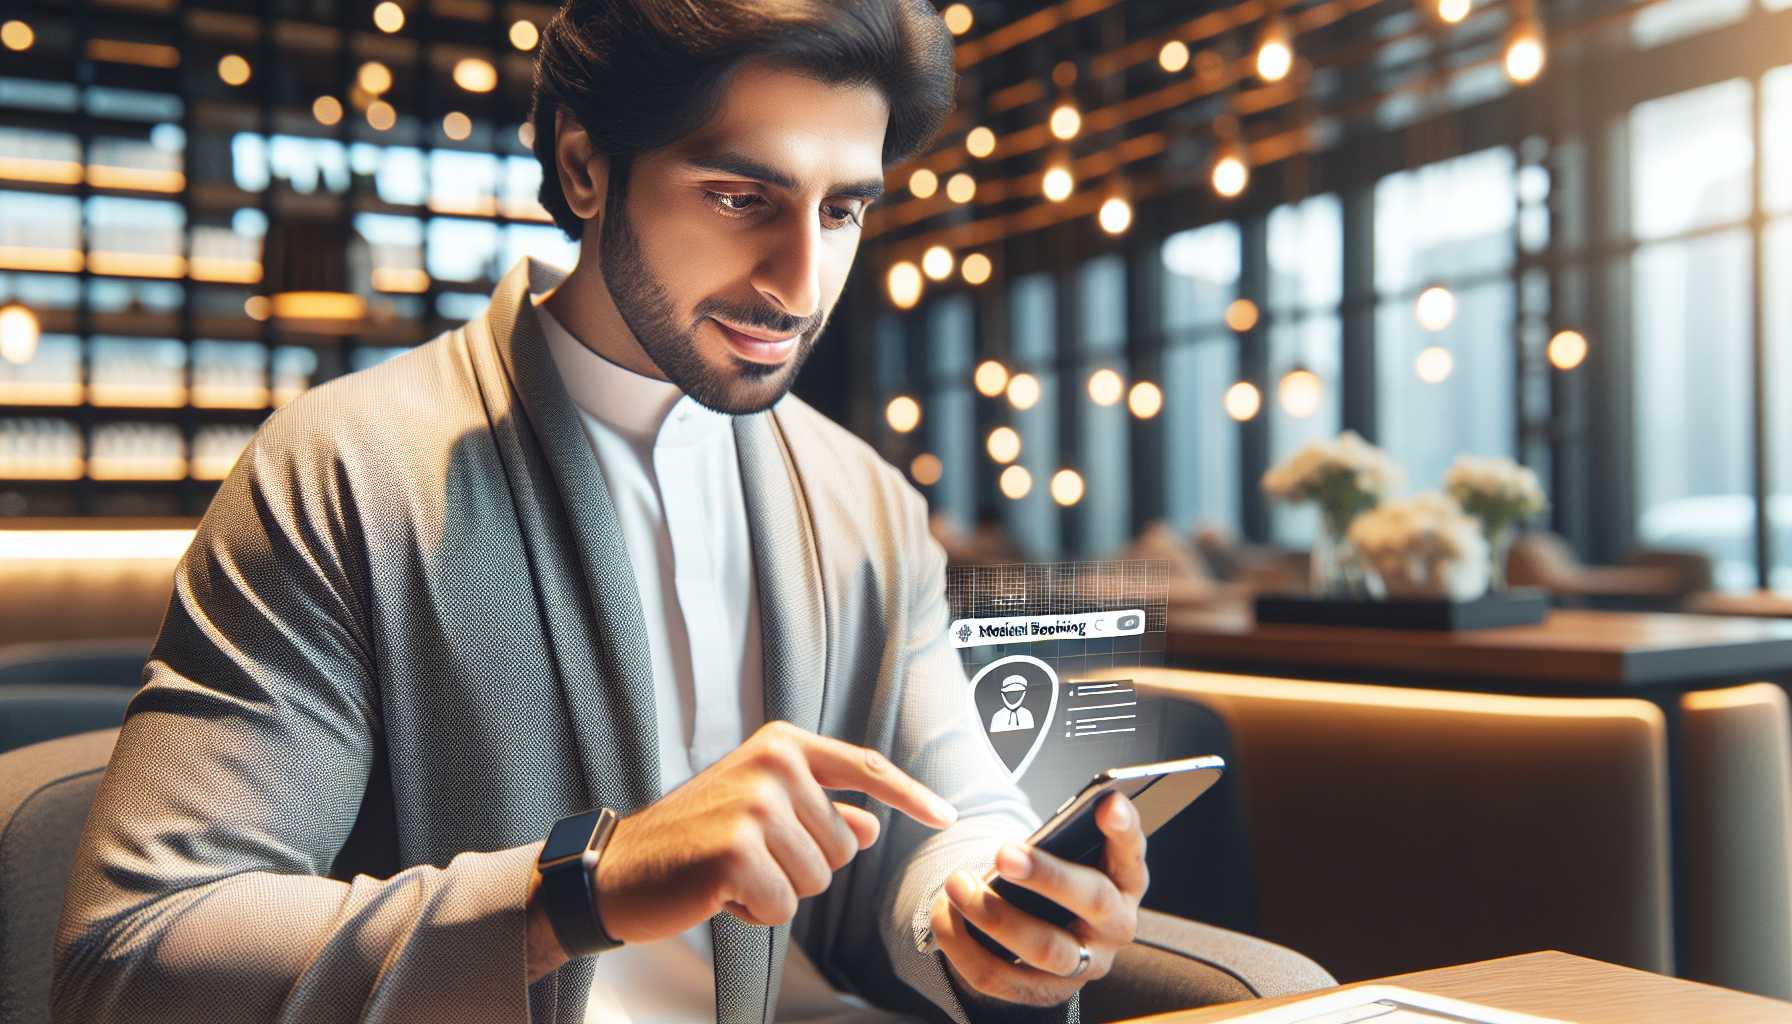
673,474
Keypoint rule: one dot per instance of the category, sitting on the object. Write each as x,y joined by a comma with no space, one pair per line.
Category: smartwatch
568,866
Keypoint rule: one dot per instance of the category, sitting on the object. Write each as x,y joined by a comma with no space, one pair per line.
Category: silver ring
1082,961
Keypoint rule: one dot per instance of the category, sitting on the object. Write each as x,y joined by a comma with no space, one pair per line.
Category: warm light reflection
1057,184
1067,487
976,268
374,77
1015,482
120,51
1115,215
457,126
961,188
388,17
1241,315
1243,401
1106,387
108,545
904,284
926,469
342,306
475,74
1434,364
327,110
1145,400
1748,695
903,414
980,142
409,280
224,270
923,183
991,378
1567,350
1003,445
19,331
937,262
1173,57
1023,391
1301,391
1066,121
381,115
21,257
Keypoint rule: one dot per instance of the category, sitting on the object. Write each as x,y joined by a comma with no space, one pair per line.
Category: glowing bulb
975,268
1115,215
991,378
374,77
1243,401
257,307
903,414
475,74
1300,391
904,284
19,331
1066,122
1015,482
525,134
16,35
1023,391
1241,315
388,17
1057,184
1173,57
233,69
1067,487
1567,350
1525,56
1275,55
381,115
1106,387
457,125
958,18
1452,11
1230,174
923,183
1436,308
523,34
1435,364
1145,400
961,188
926,469
937,262
327,110
1003,445
980,142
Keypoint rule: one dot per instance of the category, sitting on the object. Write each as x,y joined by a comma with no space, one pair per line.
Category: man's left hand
1104,899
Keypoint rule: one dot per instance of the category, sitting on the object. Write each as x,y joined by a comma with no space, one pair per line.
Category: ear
584,172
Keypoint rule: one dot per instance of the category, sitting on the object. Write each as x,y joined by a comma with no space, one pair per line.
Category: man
584,552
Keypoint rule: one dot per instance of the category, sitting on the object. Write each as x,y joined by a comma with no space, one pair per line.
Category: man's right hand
751,834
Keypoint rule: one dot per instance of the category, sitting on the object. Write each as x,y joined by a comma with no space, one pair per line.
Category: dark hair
640,74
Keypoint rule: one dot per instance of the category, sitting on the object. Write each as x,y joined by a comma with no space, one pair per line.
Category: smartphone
1158,791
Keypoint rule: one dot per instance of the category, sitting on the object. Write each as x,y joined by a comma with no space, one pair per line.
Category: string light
961,188
937,262
980,142
1106,387
1057,184
991,378
523,34
1453,11
904,284
17,35
1231,174
1275,52
457,125
1434,364
1023,391
1067,487
233,69
327,110
1567,350
975,268
1525,55
1243,401
1241,315
926,469
374,77
958,18
1066,121
1436,308
923,183
1145,400
1301,391
1115,215
1003,445
381,115
1015,482
388,17
903,414
475,74
1173,57
19,332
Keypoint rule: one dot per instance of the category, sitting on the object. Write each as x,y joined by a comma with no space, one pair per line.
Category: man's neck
583,306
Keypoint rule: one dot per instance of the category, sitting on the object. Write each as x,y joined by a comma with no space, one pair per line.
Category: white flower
1498,492
1424,544
1345,475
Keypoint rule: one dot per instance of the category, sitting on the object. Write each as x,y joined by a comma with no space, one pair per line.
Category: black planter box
1521,607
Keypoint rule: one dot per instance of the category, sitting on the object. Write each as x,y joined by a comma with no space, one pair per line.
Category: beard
741,386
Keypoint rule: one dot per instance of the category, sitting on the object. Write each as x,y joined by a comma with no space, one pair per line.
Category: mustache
757,316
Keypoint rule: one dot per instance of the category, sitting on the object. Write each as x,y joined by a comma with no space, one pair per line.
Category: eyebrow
728,162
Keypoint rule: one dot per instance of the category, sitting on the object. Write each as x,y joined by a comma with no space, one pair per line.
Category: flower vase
1337,568
1499,547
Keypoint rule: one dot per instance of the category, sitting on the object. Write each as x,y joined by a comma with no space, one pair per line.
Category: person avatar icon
1011,717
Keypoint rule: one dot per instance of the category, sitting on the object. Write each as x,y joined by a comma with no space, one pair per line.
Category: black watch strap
568,866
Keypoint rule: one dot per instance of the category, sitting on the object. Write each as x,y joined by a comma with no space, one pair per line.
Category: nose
789,274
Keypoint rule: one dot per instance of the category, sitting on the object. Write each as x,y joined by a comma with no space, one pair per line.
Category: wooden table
1573,651
1768,604
1557,985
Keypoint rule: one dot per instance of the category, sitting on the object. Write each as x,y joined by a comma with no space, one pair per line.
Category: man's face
730,247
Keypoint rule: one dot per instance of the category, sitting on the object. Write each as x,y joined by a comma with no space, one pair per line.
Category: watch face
569,836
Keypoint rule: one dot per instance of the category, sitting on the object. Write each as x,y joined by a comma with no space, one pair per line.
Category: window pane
1101,287
947,412
1776,114
1675,19
1201,276
1032,316
1693,444
1452,219
1306,255
1779,383
1201,441
1689,160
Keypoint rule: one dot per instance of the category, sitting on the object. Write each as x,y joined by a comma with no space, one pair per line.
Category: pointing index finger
837,764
